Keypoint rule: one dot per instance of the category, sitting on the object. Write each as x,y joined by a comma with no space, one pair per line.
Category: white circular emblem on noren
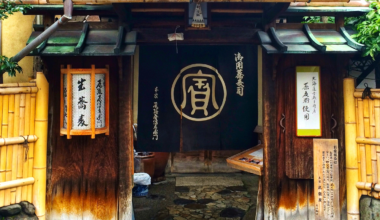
202,90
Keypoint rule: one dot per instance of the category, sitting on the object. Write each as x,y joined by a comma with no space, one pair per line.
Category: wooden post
125,139
269,134
40,148
259,203
351,150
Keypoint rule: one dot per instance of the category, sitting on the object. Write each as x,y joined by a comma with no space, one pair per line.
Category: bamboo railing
23,116
362,128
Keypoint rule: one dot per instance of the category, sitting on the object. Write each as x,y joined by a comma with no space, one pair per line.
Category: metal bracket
281,120
334,126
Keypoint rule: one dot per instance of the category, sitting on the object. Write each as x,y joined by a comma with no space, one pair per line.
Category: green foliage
316,19
7,65
8,7
367,28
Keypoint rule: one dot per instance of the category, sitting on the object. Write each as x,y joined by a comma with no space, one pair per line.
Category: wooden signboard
250,160
326,179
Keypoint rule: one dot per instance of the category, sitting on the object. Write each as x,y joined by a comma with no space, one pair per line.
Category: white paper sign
308,101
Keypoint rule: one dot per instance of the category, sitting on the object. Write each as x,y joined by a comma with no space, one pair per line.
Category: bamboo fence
23,116
362,128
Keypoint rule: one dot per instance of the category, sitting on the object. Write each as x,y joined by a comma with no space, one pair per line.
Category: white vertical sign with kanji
308,101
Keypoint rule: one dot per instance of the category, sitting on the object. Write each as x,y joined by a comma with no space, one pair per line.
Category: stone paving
207,202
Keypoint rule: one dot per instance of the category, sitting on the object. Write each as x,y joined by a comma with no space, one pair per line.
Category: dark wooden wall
82,172
293,156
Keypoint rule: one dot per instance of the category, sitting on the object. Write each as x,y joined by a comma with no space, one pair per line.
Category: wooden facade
92,179
288,179
83,174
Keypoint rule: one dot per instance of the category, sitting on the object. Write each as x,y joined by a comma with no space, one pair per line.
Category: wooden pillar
351,150
269,135
125,138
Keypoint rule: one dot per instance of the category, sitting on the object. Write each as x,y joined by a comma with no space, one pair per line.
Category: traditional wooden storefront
91,178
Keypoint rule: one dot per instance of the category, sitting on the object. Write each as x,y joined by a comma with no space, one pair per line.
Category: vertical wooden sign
326,179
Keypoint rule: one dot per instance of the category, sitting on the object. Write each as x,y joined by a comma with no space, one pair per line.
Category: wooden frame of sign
93,130
308,102
250,160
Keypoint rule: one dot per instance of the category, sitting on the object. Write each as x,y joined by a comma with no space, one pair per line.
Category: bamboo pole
25,170
3,149
18,140
20,102
31,145
358,145
377,134
367,134
15,145
375,95
18,90
9,85
367,186
16,183
351,149
373,147
40,149
22,149
361,133
8,174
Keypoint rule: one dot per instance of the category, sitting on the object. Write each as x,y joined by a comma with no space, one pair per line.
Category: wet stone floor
208,202
168,202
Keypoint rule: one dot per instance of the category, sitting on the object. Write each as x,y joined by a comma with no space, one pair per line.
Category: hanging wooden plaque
326,179
308,102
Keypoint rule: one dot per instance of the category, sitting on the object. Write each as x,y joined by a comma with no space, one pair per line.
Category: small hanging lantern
84,101
198,20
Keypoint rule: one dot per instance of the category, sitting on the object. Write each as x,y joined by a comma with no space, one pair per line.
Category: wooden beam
312,39
277,42
147,10
270,125
124,14
300,26
241,35
339,22
81,43
125,138
351,42
237,11
272,14
120,39
40,47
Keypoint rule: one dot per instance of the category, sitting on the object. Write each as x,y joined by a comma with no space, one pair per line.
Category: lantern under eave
84,101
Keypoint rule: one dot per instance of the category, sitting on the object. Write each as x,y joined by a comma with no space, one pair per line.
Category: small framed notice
250,160
326,179
308,102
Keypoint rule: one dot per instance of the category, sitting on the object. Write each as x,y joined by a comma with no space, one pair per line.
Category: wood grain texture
269,134
298,150
125,139
83,171
294,155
